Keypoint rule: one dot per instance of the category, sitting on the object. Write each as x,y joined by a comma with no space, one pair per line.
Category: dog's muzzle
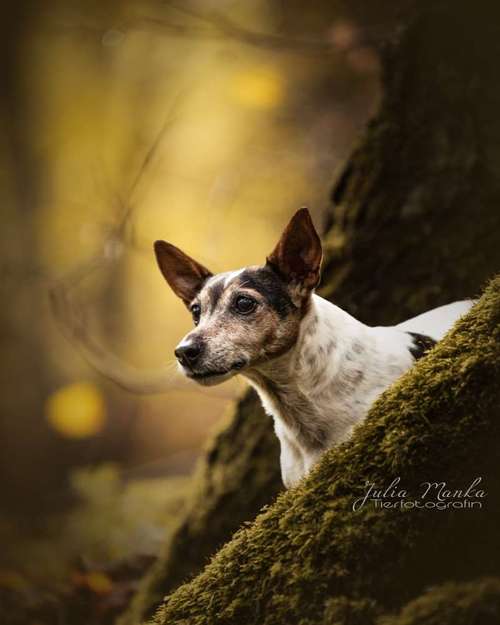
189,355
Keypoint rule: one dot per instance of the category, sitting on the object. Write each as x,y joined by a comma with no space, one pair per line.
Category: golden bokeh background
142,121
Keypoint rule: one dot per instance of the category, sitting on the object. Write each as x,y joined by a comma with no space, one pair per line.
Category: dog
316,369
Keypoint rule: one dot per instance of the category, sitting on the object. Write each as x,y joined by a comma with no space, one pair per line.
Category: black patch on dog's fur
421,344
271,287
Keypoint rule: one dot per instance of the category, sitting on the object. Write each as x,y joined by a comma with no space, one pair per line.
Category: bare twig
221,27
71,314
216,25
213,25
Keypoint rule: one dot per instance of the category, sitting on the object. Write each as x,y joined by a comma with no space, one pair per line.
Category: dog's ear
184,275
297,257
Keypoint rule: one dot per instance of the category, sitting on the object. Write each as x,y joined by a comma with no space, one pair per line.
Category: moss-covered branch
473,603
465,603
440,422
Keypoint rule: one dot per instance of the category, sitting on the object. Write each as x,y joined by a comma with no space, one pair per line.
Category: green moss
474,603
440,422
349,611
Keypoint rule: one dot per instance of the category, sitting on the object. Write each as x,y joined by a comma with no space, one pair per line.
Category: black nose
188,354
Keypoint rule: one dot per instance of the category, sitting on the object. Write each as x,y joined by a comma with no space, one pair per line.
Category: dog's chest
307,425
318,408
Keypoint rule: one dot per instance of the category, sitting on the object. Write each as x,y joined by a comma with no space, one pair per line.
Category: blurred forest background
203,123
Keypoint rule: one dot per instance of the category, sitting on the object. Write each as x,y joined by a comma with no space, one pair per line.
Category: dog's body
316,369
324,386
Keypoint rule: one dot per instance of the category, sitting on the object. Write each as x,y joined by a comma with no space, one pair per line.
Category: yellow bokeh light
99,583
261,87
76,410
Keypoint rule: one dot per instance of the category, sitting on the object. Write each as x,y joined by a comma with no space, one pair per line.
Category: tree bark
413,224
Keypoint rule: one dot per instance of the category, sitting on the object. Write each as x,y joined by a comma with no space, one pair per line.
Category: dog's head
247,317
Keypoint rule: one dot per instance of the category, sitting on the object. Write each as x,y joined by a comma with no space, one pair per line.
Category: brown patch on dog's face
242,319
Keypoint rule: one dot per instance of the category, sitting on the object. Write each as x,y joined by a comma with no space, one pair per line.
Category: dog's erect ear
297,257
184,275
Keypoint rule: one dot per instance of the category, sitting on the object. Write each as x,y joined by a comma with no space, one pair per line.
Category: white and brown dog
316,369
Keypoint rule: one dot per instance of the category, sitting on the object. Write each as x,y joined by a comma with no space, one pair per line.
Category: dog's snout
188,353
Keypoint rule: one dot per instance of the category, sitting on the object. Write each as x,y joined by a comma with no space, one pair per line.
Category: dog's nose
188,353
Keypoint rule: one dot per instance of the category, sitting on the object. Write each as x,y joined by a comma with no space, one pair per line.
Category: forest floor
82,566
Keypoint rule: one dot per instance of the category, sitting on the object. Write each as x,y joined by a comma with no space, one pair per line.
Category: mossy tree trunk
413,224
472,603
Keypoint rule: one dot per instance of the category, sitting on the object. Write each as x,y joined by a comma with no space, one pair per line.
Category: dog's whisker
178,382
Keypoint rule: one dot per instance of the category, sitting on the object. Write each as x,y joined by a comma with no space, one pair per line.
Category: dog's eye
196,312
245,305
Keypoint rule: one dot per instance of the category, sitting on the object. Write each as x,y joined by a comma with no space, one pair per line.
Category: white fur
324,386
231,275
435,323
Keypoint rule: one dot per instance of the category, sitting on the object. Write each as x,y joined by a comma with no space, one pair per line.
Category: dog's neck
323,386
